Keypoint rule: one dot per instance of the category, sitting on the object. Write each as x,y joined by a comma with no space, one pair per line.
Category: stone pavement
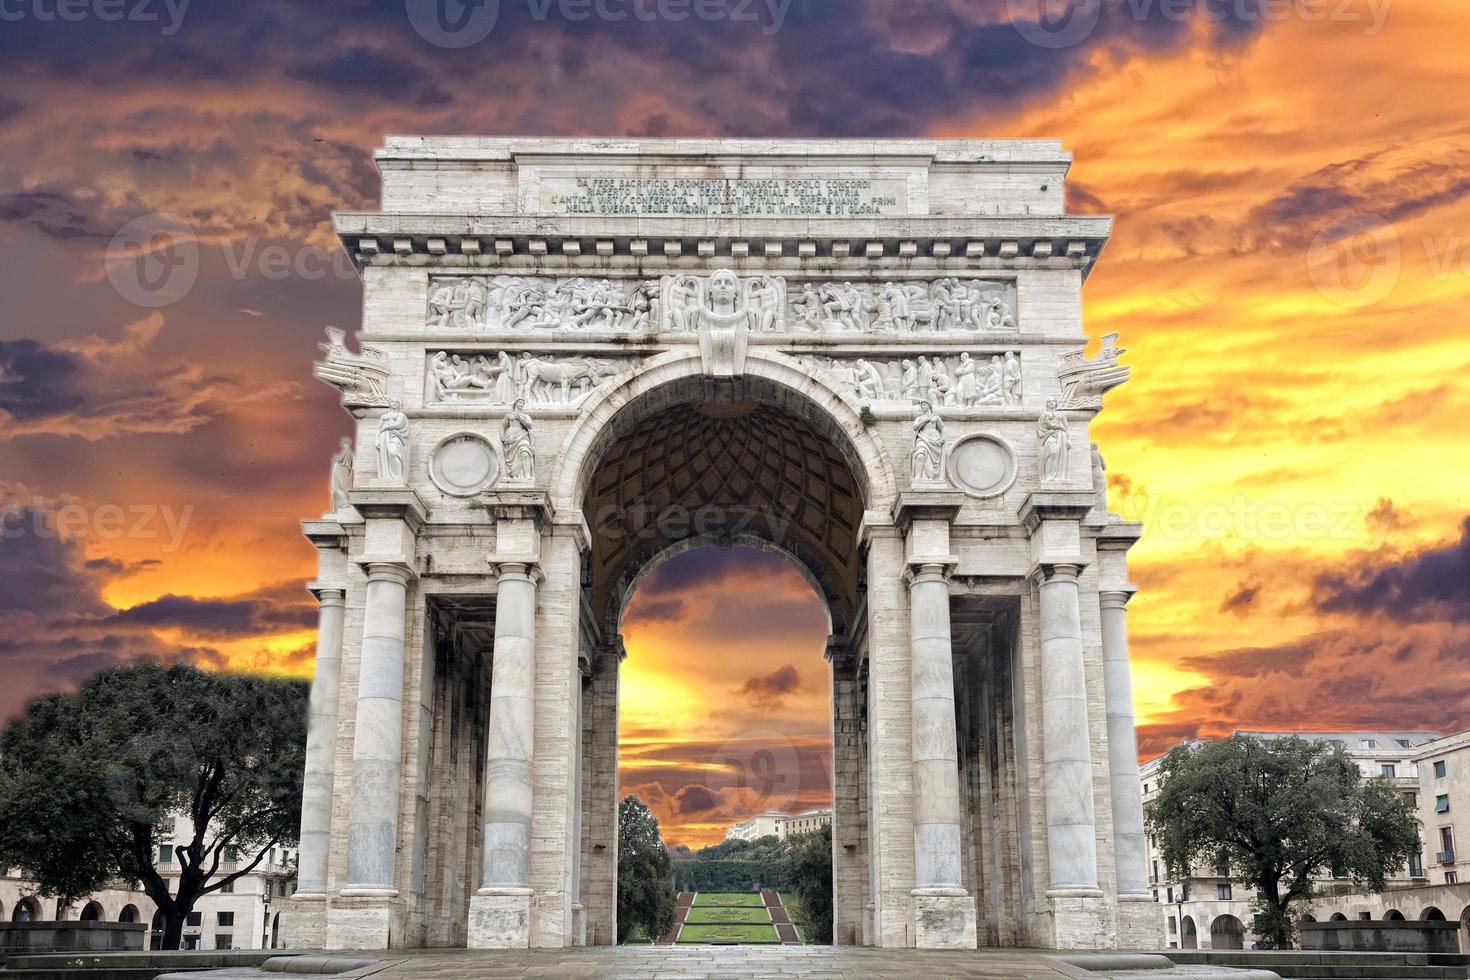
709,962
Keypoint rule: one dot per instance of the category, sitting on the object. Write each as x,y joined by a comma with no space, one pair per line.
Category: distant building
240,916
782,825
1211,909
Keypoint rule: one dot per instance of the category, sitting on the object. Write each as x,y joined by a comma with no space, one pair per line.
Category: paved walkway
710,962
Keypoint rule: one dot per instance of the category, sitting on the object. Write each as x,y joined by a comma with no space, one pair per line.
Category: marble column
1070,819
372,827
321,738
849,876
500,911
940,898
1129,848
600,797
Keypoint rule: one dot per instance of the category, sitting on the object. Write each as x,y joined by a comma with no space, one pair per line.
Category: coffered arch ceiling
723,470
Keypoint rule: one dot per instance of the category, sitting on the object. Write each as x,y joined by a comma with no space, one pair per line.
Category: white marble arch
832,410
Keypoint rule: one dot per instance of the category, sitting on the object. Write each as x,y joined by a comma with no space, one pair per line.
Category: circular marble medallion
982,466
464,464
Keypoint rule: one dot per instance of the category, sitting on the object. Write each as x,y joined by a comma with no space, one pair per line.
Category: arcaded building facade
581,357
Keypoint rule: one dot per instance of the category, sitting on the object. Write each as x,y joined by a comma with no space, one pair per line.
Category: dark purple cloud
1432,585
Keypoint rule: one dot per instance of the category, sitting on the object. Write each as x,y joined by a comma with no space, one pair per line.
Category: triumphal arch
580,357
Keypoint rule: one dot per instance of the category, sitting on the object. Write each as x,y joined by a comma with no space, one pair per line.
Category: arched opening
1188,934
129,913
26,910
1338,917
1431,914
1393,915
91,912
1226,932
724,564
276,931
1308,918
1465,929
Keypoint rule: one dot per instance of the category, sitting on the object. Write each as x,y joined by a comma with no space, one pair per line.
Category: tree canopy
645,873
91,781
1279,814
808,866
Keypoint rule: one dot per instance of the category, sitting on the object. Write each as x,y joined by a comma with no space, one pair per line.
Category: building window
1368,743
1413,799
1388,770
1447,839
1439,769
1451,877
165,853
225,918
195,918
1222,892
228,888
1442,803
1405,743
1173,925
229,852
1416,865
1171,895
1155,874
224,940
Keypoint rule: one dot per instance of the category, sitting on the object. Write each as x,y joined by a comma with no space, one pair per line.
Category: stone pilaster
304,919
600,797
849,871
500,911
1139,919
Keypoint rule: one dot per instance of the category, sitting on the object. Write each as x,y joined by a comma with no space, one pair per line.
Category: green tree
1278,813
645,885
90,782
808,866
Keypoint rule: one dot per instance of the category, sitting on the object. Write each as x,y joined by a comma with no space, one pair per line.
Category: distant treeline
733,865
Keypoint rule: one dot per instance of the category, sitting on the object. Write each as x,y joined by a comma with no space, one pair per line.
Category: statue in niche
723,326
515,443
392,446
1011,380
457,303
341,480
1051,434
928,445
1100,480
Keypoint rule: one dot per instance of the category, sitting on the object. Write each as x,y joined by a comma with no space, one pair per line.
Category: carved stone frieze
946,305
959,381
500,379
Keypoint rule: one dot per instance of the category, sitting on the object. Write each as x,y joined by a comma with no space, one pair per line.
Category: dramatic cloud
771,690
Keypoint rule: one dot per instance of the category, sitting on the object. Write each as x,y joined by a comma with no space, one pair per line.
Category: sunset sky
1289,271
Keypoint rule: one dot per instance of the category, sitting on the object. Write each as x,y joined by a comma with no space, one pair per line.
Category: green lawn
728,899
748,934
727,913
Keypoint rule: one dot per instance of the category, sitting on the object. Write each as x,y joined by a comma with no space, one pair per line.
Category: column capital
518,571
1044,572
328,593
388,571
1116,597
917,570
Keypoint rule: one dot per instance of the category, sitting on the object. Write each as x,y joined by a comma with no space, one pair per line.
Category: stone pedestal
1140,922
944,918
500,918
365,922
1080,921
303,922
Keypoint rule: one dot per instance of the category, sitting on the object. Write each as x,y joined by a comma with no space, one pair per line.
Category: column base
1140,922
870,918
944,918
364,922
1081,919
304,922
579,924
500,918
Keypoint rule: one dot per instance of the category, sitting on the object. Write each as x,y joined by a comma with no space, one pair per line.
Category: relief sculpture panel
961,381
502,379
